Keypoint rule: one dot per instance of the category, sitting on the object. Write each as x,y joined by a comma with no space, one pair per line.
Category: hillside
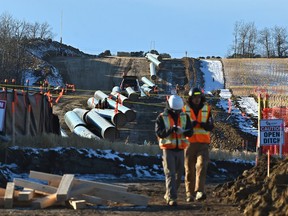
258,75
91,74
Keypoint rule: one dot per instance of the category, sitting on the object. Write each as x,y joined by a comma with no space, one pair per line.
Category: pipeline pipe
132,95
123,99
118,119
72,120
130,114
77,126
148,82
152,71
156,62
102,126
92,102
158,57
84,132
146,89
105,128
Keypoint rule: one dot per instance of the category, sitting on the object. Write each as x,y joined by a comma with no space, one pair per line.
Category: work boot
189,199
200,196
172,202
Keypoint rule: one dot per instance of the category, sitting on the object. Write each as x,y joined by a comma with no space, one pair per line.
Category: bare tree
45,31
13,39
235,42
265,39
34,30
280,41
251,40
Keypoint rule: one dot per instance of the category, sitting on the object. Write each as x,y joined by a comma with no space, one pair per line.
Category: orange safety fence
277,113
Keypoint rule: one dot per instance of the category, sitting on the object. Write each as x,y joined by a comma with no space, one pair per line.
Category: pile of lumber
51,190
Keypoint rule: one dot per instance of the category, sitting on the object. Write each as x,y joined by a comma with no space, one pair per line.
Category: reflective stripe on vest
170,142
200,135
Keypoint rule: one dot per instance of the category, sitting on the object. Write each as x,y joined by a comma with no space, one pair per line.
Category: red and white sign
2,114
271,132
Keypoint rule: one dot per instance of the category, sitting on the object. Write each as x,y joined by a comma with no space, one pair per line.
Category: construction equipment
130,81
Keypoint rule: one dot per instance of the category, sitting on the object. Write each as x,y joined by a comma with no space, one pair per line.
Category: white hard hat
116,89
175,102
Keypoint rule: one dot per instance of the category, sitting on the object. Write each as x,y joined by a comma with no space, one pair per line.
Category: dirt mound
256,193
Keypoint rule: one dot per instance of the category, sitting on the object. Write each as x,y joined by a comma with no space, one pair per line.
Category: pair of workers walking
184,137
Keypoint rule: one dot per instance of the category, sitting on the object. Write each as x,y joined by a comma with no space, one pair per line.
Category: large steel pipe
92,102
122,99
154,60
117,118
158,57
81,113
152,71
84,132
148,82
130,114
102,126
100,95
77,125
146,89
105,128
132,95
72,120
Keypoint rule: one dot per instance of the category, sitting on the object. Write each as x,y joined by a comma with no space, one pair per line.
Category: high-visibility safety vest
174,140
200,135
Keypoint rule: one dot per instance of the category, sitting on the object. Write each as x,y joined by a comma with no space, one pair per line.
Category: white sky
202,27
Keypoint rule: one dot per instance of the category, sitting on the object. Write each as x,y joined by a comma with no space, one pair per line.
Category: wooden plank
64,187
57,178
2,192
44,202
9,193
93,200
52,179
113,195
77,204
26,194
39,188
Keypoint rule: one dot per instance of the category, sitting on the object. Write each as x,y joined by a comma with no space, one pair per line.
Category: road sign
2,114
271,132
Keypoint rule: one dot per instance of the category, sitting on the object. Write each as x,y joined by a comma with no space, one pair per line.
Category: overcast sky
200,28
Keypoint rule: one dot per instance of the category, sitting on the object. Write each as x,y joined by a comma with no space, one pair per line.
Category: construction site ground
90,75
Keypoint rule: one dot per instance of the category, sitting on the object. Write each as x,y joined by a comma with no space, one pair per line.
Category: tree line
15,36
249,42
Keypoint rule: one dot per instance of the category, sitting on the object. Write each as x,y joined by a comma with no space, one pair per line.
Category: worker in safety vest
172,127
197,153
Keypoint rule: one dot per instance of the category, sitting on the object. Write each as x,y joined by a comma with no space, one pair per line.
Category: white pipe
152,71
154,60
148,82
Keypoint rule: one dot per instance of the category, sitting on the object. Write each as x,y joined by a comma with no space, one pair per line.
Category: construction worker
197,153
172,127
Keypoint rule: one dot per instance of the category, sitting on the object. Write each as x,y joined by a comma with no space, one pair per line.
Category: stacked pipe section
155,63
130,114
78,126
101,125
148,87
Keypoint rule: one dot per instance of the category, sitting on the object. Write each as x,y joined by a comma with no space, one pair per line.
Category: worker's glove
180,130
194,123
